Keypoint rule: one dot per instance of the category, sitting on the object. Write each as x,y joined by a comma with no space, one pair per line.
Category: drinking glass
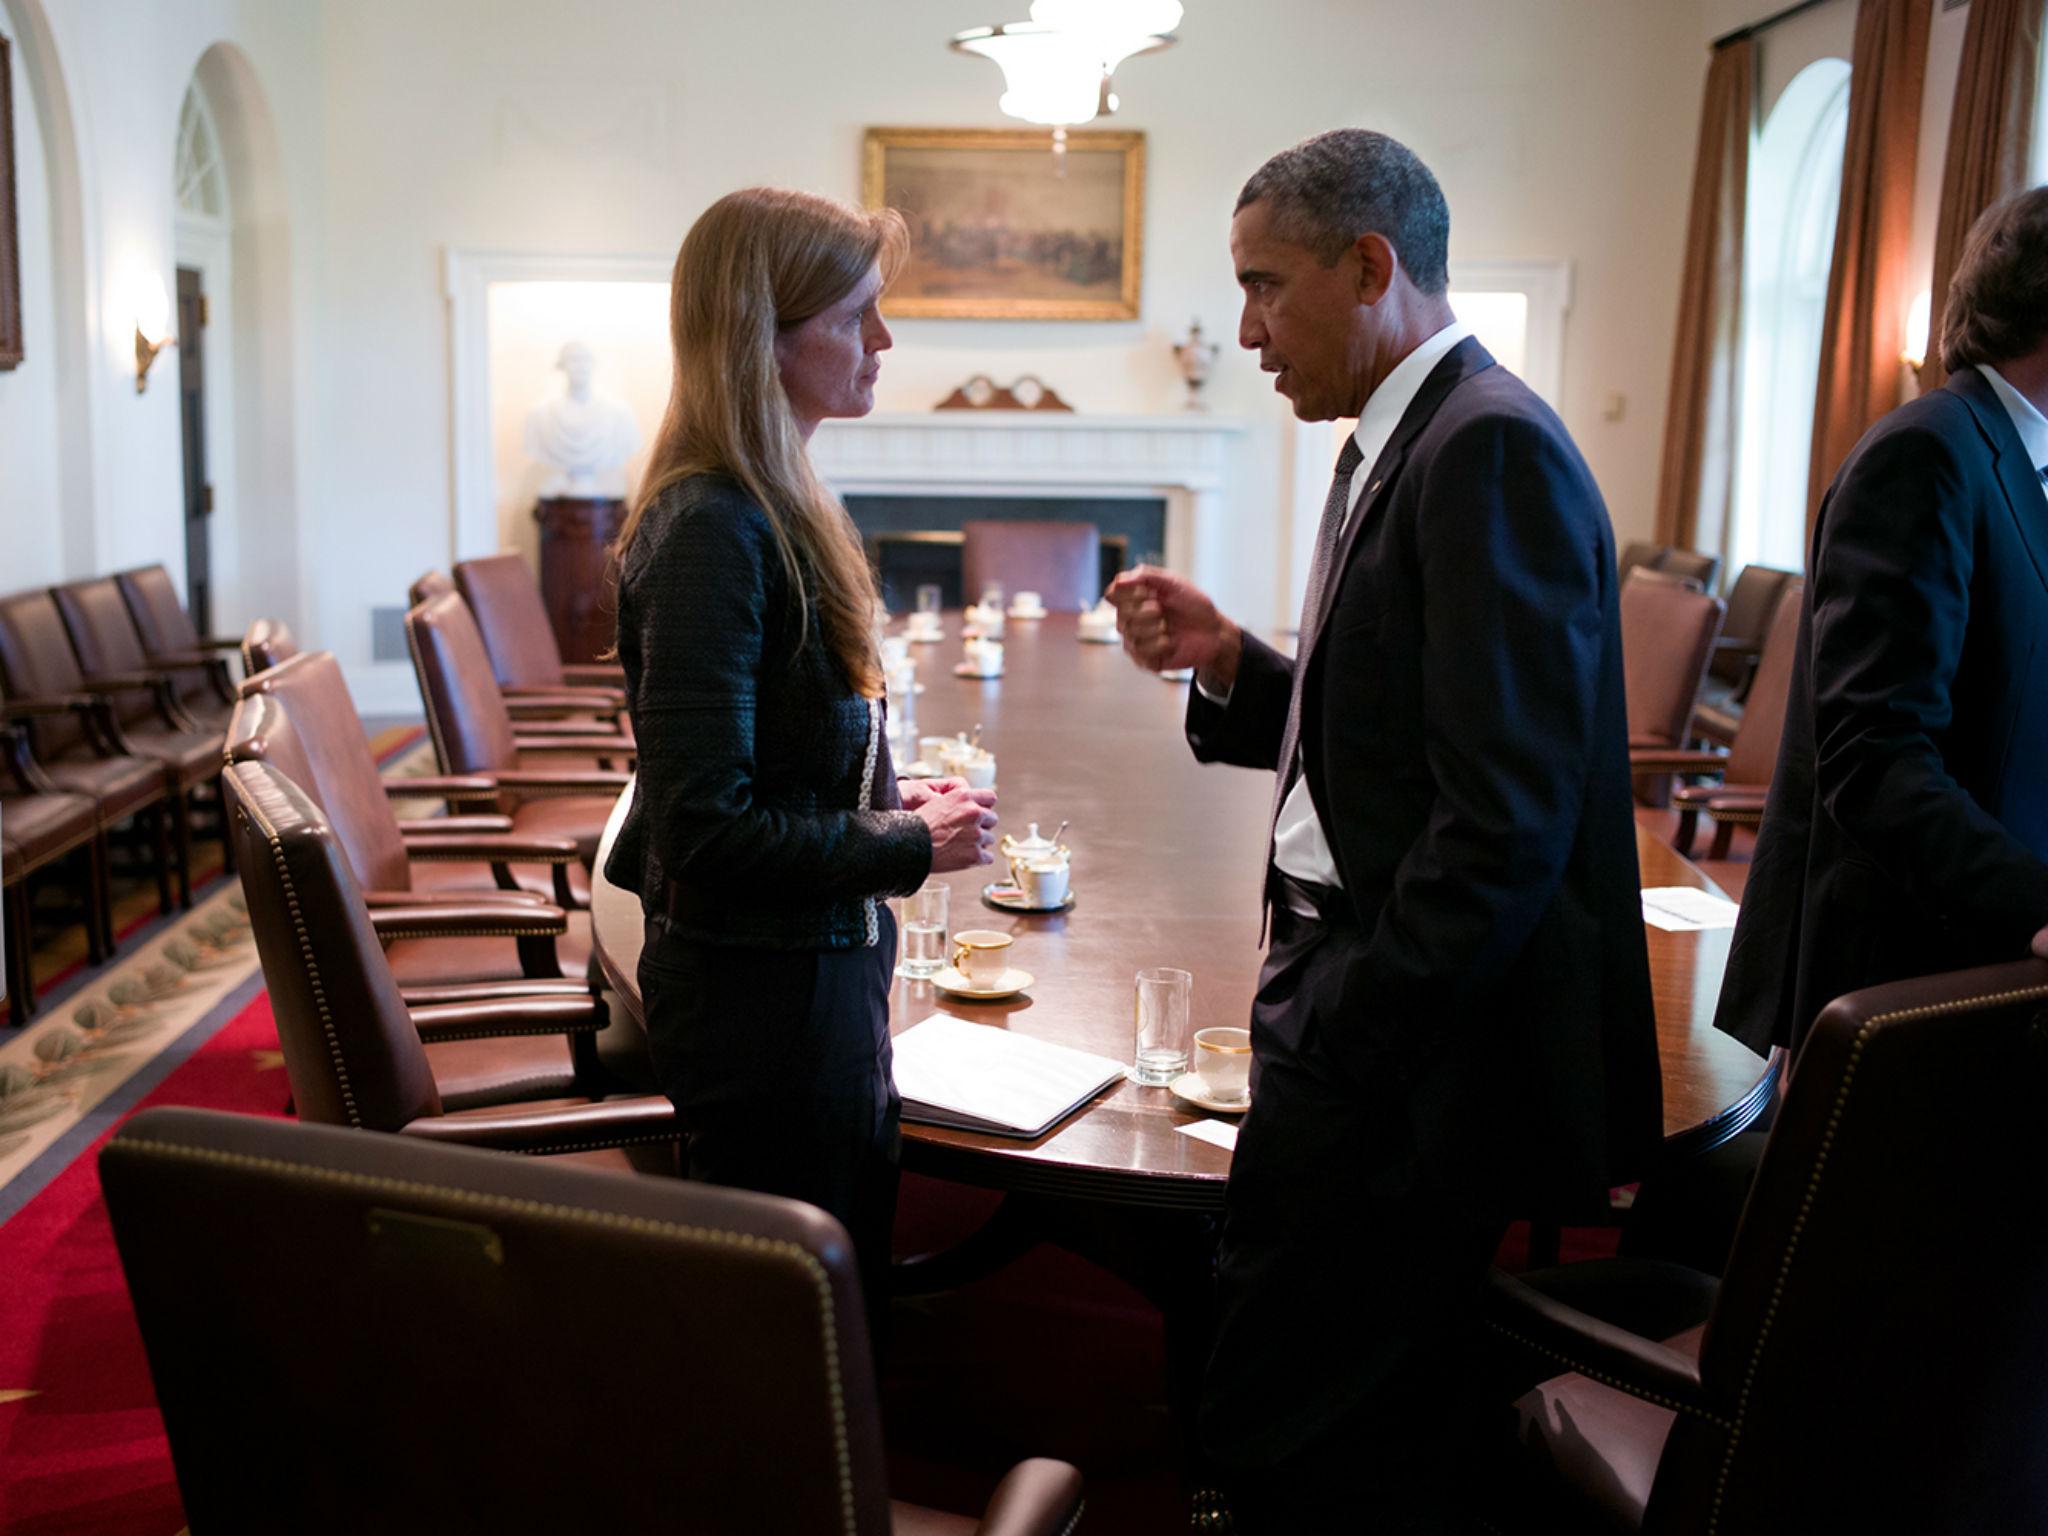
1161,1010
930,598
924,932
992,597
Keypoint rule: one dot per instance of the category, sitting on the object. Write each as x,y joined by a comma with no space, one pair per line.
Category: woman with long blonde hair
767,825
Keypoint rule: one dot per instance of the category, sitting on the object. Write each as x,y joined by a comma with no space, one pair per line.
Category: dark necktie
1335,507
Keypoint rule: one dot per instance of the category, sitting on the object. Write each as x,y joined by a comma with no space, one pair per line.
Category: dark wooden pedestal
576,580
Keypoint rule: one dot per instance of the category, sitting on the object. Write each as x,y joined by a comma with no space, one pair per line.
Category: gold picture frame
1003,229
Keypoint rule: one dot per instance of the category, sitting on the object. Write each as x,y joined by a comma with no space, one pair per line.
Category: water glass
924,932
930,598
1161,1008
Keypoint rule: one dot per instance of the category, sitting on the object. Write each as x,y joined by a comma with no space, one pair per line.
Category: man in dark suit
1907,825
1453,1025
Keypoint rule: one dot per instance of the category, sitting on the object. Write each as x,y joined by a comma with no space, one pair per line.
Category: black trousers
1358,1226
778,1063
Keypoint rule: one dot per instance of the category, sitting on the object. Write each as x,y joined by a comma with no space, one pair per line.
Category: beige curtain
1990,136
1696,485
1868,287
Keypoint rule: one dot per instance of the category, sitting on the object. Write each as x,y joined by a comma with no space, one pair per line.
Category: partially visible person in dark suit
1907,827
1453,1025
767,825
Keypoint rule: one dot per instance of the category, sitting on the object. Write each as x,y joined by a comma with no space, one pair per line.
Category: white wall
1561,129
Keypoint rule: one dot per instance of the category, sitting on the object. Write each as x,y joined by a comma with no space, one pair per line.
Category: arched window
1795,186
201,178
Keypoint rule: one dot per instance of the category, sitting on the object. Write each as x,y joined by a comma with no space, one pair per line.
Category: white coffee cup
988,620
979,771
1223,1059
1027,603
985,657
1044,882
981,955
932,750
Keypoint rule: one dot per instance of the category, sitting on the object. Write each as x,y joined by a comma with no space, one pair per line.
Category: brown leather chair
197,664
1743,774
266,643
1667,633
299,717
506,603
1061,562
40,829
559,707
80,743
618,1355
104,635
1751,602
474,735
428,585
1871,1359
1690,565
358,1053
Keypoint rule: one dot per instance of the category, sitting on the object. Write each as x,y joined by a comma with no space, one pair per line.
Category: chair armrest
474,821
504,896
163,692
494,1018
95,711
607,700
491,847
1580,1342
562,781
556,1127
455,788
22,766
595,674
466,919
1039,1497
581,742
427,996
1675,760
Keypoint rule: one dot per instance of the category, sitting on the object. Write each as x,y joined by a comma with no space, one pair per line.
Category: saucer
1178,675
1189,1086
1109,638
920,770
962,669
1017,903
924,636
1009,984
1026,613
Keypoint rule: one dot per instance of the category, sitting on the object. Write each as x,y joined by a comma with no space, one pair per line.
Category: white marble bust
584,437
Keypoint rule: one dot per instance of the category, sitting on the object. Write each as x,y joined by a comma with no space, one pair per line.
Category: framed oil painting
1002,228
10,234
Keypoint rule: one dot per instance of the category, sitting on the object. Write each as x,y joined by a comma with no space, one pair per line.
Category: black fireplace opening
913,541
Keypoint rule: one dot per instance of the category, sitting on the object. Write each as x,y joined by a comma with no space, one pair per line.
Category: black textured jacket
765,812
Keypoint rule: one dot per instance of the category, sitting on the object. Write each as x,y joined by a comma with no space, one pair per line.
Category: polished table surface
1167,864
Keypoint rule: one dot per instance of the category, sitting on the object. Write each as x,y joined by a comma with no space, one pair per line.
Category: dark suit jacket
1466,746
1908,816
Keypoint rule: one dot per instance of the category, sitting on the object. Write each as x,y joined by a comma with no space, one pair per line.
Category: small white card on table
1685,909
1217,1133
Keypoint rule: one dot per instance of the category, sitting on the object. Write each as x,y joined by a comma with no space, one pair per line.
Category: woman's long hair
757,262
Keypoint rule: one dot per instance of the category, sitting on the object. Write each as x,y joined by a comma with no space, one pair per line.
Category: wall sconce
152,327
1918,317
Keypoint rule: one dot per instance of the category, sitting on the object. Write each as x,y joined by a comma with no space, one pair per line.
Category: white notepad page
1008,1080
1686,909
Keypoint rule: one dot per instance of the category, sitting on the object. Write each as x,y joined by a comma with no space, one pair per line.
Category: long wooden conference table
1167,863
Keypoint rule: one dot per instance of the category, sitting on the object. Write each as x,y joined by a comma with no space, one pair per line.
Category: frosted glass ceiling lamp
1058,65
1114,30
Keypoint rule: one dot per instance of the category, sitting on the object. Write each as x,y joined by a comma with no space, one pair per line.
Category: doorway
192,430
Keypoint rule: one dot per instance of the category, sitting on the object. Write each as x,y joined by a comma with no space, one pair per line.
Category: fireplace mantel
1183,459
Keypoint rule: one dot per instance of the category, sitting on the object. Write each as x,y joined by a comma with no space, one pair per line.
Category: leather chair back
427,585
1751,602
37,661
153,604
1876,1345
1689,563
1753,755
265,644
1667,633
1061,562
356,1269
505,601
104,638
299,718
351,1050
466,713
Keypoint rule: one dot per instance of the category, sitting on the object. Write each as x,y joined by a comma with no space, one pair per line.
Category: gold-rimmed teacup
1223,1060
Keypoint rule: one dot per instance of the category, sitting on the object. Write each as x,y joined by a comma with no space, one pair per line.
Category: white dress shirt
2031,425
1300,846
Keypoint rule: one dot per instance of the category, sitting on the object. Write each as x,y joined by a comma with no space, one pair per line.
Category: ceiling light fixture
1058,66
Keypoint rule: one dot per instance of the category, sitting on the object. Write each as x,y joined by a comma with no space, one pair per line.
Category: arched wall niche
257,544
66,346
